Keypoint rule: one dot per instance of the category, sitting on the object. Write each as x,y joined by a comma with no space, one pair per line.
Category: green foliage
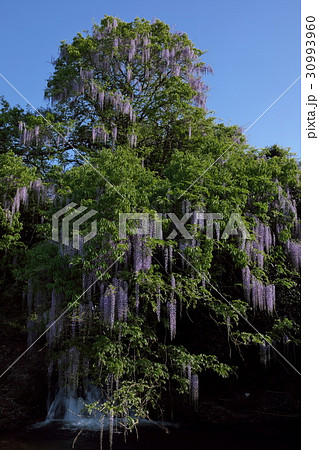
167,165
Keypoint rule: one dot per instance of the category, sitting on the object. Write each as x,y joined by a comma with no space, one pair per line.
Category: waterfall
69,407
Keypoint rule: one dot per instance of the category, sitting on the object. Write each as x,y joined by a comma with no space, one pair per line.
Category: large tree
135,83
132,100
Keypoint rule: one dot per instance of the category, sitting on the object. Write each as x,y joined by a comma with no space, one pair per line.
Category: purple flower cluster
270,297
107,306
137,296
189,373
262,297
297,230
22,197
171,306
264,241
137,253
121,299
288,206
114,133
88,284
166,259
294,251
194,389
158,303
132,50
170,258
246,282
217,229
100,33
98,133
186,205
132,138
114,299
111,428
119,103
38,188
257,292
28,137
142,253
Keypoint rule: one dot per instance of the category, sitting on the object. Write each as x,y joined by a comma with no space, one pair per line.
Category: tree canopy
128,132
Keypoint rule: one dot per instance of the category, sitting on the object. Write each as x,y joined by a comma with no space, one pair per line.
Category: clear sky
252,45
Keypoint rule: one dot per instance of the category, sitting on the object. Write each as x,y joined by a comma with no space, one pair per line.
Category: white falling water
70,408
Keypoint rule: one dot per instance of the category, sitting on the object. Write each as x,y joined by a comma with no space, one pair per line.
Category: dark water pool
224,437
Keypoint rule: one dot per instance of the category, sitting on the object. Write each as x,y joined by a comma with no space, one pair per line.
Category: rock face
23,389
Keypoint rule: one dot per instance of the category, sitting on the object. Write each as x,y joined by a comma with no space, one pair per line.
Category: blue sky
253,47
